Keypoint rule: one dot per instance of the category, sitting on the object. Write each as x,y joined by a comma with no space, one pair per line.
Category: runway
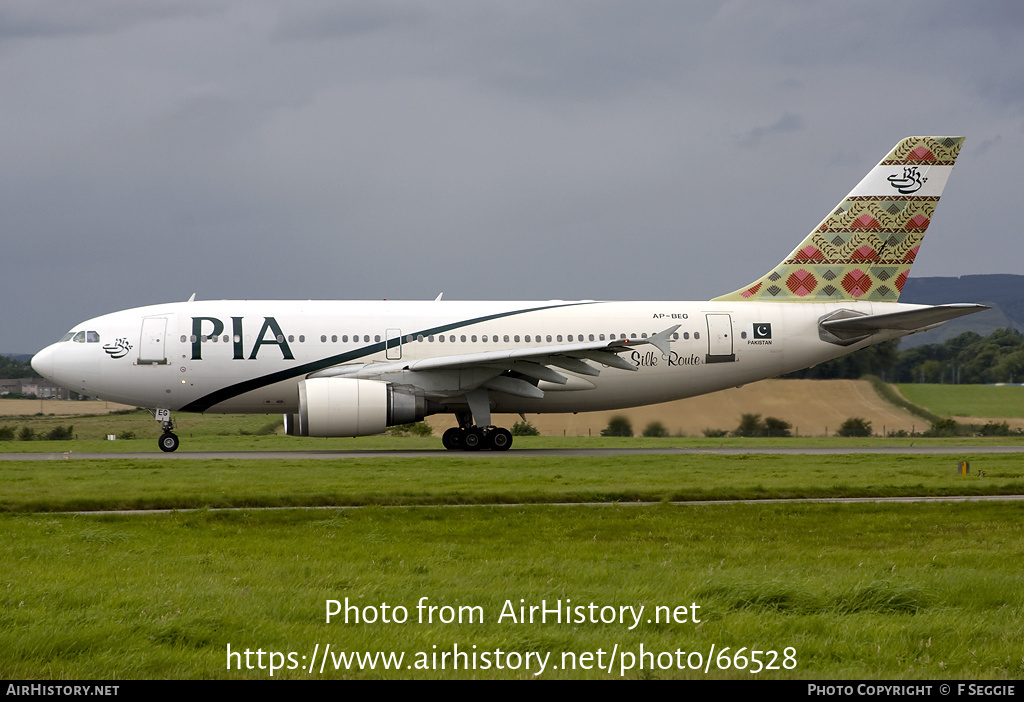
517,453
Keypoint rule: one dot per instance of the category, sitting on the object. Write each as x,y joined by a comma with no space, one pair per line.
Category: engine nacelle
351,407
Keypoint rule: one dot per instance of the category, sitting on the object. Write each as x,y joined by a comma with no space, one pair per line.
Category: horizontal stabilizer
856,327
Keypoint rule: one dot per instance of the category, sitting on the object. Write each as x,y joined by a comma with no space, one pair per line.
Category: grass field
814,591
981,401
822,591
32,486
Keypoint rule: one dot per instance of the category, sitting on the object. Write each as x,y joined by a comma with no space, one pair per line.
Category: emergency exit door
393,345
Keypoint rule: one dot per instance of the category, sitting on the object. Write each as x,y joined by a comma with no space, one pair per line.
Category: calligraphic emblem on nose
118,349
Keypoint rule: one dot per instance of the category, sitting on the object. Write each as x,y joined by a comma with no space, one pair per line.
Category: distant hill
1004,293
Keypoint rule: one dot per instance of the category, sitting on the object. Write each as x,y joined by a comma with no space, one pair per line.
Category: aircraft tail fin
863,250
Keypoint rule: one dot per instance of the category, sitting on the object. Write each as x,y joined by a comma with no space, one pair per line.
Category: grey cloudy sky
516,150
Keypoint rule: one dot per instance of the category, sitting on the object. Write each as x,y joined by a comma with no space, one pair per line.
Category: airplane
353,368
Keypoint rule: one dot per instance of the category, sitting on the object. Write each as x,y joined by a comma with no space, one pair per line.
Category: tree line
967,358
13,368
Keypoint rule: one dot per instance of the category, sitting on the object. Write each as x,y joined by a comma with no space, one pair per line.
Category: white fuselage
249,356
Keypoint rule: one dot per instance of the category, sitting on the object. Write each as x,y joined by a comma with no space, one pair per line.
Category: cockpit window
67,337
79,338
92,337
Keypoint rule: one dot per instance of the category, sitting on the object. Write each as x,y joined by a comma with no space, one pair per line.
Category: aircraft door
393,345
152,345
720,346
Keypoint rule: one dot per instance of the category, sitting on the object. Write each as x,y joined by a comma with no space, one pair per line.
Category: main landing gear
477,438
168,440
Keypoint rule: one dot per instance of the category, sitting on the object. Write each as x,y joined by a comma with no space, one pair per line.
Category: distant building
33,387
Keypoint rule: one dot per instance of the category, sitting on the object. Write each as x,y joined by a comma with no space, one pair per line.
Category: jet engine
352,407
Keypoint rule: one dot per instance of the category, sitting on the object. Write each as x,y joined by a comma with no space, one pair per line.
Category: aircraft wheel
500,439
168,442
473,440
452,439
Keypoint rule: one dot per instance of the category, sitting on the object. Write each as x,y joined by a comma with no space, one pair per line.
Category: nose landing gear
168,440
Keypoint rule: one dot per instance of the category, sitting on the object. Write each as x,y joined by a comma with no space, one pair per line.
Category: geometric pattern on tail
864,248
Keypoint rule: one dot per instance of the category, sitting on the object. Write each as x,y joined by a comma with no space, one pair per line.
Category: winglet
663,339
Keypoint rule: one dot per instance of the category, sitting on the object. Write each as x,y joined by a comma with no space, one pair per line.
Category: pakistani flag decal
763,331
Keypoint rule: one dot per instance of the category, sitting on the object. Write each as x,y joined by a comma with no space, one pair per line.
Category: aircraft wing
536,362
858,327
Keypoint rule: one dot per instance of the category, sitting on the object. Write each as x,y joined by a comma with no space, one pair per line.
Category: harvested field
813,407
58,407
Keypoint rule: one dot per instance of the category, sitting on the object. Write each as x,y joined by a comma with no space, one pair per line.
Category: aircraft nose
42,362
